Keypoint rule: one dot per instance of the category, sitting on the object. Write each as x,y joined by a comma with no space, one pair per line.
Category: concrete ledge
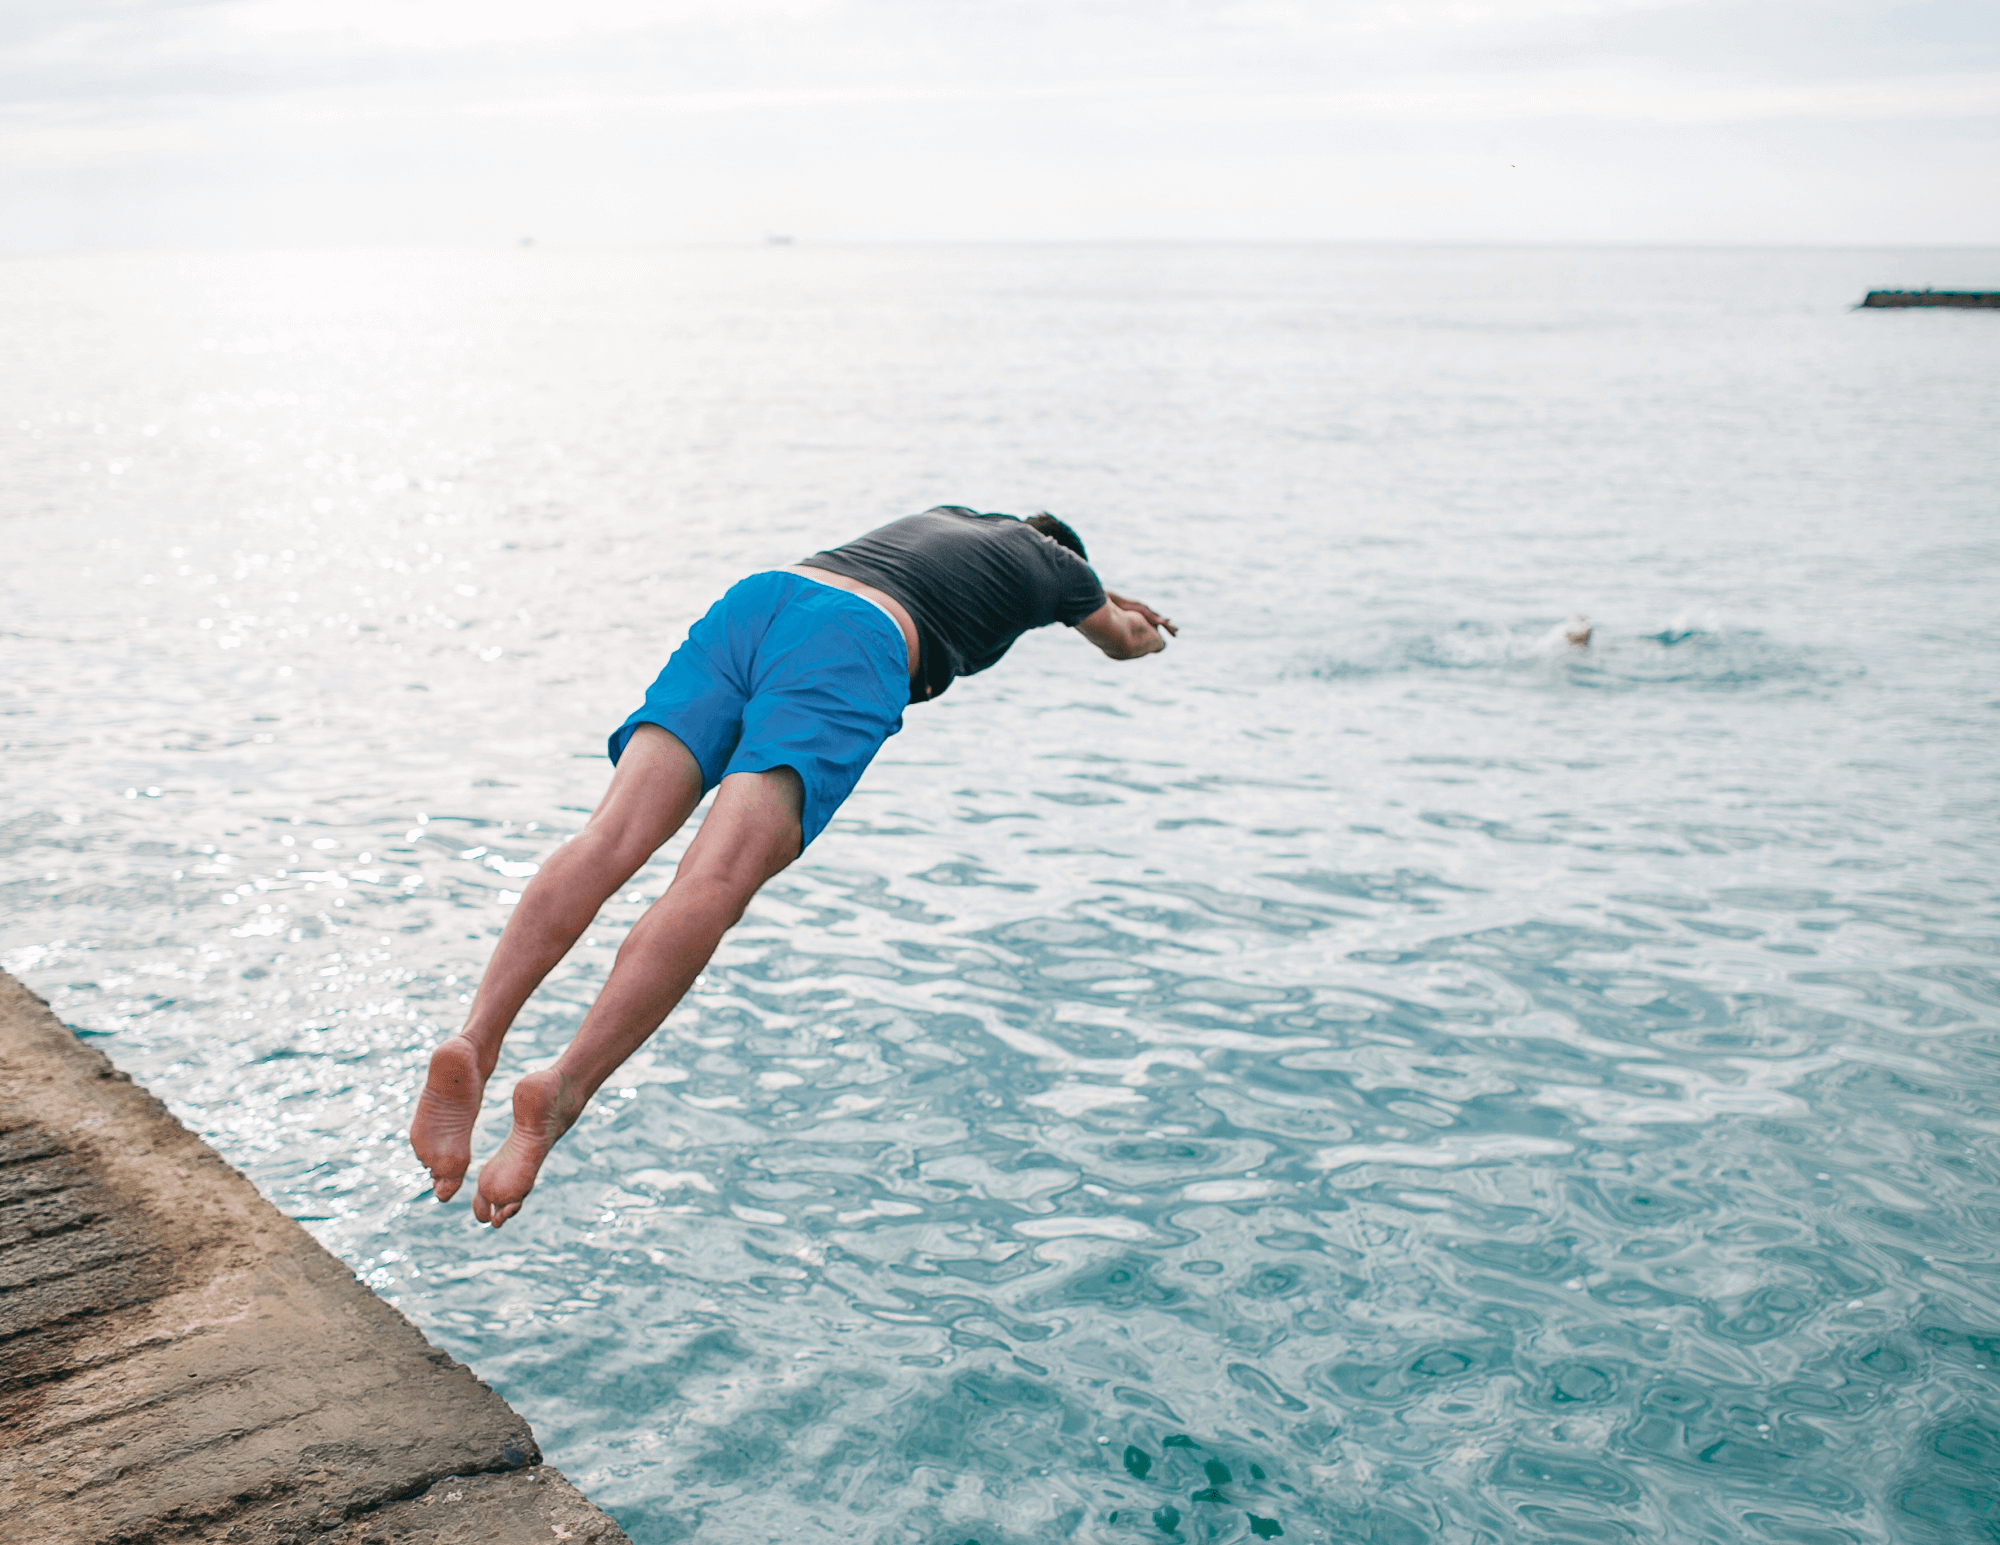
179,1361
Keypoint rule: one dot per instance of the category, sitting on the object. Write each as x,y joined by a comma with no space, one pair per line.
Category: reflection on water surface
1369,1074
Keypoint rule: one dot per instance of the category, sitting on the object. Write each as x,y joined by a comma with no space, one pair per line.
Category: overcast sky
230,122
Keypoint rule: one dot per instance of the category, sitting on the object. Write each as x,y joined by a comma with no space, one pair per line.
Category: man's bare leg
655,789
752,833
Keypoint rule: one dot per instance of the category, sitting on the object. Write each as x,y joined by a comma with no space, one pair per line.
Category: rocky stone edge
179,1361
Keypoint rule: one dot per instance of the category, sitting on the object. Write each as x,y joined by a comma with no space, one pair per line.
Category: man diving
779,698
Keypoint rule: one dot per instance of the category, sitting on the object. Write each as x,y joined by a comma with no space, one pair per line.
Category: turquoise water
1371,1073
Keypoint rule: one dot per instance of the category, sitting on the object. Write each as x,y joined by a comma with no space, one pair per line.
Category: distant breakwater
1975,298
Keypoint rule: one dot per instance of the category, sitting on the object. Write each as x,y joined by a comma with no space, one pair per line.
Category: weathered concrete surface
180,1362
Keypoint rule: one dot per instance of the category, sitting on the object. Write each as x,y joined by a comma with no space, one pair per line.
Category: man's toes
487,1210
444,1188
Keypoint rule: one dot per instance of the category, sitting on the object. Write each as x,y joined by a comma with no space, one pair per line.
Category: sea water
1374,1072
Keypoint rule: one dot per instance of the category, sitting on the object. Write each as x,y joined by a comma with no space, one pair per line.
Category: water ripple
1376,1073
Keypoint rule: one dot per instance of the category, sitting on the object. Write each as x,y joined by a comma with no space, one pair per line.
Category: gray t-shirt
971,583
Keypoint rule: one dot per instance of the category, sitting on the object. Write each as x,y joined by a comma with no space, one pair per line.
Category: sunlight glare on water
1375,1072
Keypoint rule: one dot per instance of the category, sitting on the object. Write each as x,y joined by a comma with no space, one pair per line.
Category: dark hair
1058,532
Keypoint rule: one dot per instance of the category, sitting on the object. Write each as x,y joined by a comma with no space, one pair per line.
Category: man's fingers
1152,617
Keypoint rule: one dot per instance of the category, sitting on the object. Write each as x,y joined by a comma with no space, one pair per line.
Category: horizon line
780,242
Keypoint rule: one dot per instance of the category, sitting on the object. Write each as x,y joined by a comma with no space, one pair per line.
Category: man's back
972,583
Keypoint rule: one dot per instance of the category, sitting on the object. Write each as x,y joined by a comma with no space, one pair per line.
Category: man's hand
1164,624
1125,629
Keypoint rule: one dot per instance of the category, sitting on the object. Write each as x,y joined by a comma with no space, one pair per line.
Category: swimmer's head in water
1058,532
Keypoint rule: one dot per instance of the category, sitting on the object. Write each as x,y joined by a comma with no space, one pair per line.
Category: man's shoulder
960,512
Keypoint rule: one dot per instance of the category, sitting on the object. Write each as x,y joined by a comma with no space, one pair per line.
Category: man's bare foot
441,1130
544,1106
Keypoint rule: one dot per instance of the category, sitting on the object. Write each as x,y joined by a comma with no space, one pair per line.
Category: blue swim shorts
784,672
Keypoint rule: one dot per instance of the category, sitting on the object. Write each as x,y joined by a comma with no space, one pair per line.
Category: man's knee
611,848
719,899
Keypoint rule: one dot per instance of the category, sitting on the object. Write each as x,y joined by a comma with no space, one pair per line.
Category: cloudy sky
231,122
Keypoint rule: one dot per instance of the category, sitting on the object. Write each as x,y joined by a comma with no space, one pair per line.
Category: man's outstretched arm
1126,629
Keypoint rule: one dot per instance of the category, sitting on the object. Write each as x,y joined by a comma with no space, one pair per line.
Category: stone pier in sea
1876,299
179,1361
